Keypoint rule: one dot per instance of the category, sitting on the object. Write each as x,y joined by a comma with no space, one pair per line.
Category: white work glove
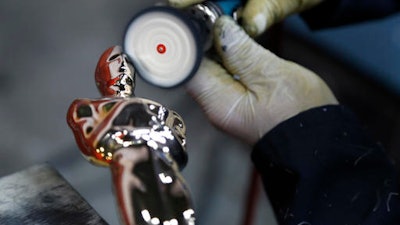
258,15
253,90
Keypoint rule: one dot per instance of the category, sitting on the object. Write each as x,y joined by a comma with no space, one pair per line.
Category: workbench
39,195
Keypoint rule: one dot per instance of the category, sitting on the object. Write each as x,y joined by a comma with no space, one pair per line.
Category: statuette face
115,75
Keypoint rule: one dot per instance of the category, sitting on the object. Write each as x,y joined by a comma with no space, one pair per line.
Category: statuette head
115,74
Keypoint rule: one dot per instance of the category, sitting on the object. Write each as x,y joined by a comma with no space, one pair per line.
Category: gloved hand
258,15
253,90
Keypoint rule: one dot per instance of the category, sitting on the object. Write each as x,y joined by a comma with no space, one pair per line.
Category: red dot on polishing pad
161,48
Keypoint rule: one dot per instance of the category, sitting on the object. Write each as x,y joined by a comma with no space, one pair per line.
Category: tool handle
228,6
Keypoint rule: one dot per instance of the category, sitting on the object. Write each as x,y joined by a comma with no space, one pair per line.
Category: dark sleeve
320,167
331,13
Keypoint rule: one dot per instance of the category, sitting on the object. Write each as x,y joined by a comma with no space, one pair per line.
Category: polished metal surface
142,142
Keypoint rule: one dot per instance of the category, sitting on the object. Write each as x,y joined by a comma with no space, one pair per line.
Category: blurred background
48,53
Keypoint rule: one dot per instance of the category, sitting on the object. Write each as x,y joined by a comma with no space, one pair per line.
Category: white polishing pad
163,46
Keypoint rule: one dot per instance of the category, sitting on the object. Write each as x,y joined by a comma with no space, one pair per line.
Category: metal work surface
40,196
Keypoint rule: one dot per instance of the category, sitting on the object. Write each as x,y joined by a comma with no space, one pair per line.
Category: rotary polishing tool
166,44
